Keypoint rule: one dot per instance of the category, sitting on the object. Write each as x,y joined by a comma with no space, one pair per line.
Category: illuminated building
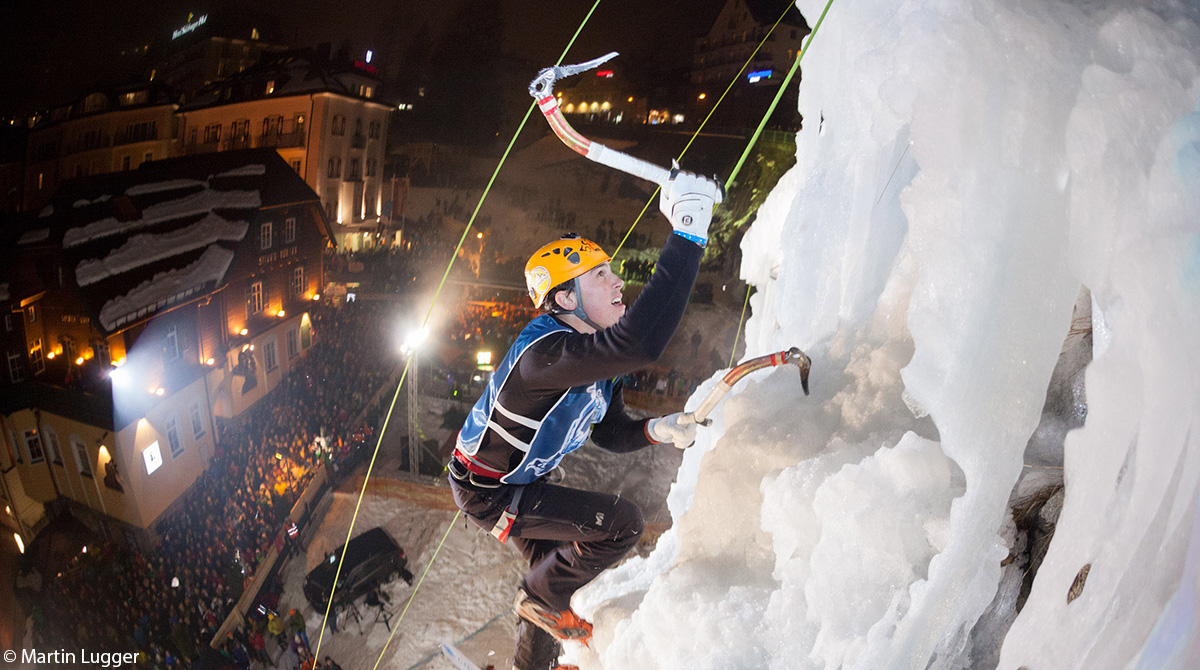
733,37
603,95
107,130
134,281
322,115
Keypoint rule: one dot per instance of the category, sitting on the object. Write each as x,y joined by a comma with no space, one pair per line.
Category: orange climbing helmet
559,262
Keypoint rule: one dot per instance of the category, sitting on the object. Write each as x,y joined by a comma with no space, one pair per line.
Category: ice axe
793,356
542,90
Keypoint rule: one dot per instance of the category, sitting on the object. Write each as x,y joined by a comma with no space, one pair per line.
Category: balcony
193,148
120,139
290,140
87,144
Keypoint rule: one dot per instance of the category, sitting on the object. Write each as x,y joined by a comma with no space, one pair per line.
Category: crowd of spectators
169,601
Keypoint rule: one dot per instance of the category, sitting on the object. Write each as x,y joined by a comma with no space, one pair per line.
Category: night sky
54,51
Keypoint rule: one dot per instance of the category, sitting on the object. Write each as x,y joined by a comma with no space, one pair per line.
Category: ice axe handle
792,356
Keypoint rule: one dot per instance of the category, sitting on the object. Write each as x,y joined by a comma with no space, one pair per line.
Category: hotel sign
192,25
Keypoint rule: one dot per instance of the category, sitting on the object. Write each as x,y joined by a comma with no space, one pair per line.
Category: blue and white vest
564,428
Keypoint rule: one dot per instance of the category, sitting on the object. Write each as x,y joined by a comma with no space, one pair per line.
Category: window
212,133
81,457
53,446
32,312
41,180
269,355
36,358
373,130
264,235
272,125
358,126
352,173
240,129
339,125
330,210
14,367
292,339
254,298
296,166
149,156
10,324
125,162
371,163
289,230
298,280
192,136
33,447
197,420
171,344
270,85
173,440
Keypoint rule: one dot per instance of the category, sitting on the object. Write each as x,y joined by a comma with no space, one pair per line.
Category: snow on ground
471,582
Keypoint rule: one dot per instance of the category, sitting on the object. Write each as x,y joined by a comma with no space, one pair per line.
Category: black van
372,559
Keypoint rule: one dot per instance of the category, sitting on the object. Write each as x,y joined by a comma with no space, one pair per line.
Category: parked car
372,559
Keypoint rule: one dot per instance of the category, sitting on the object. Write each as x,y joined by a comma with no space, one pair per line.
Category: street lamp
412,345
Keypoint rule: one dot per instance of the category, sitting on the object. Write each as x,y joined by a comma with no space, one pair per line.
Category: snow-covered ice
1037,148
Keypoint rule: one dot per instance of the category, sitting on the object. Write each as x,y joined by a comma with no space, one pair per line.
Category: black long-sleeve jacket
568,359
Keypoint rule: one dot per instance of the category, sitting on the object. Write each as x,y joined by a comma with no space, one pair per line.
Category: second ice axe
792,356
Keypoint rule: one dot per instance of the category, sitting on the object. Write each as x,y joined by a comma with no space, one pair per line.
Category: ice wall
964,168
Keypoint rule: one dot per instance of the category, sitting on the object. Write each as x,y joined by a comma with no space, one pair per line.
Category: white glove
669,428
688,200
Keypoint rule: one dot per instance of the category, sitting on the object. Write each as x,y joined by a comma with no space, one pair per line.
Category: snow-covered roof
141,241
34,236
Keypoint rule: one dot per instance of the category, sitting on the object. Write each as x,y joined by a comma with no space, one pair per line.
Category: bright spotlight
160,391
50,355
118,376
280,313
243,332
316,297
20,542
79,361
414,340
210,361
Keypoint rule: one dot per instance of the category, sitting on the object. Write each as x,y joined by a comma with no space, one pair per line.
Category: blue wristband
702,241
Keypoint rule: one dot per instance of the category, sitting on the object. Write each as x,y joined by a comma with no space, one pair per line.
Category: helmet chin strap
579,312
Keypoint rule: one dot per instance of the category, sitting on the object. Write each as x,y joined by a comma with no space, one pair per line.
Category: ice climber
558,385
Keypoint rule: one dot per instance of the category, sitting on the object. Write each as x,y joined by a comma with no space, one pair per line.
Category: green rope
416,588
703,123
754,138
774,103
738,336
428,314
